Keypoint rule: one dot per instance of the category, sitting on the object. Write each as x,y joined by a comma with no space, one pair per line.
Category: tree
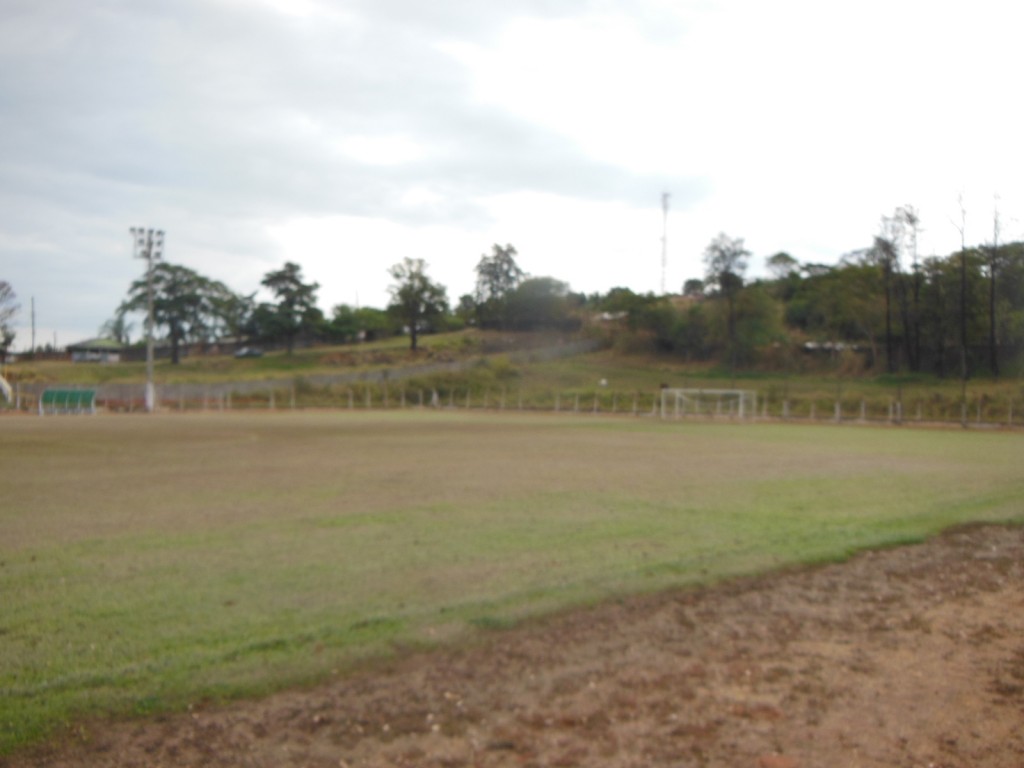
993,268
694,288
349,324
781,265
539,303
911,222
184,302
118,329
725,261
885,254
415,299
296,302
8,311
497,276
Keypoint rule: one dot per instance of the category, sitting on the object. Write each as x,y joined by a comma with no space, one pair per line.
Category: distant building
96,351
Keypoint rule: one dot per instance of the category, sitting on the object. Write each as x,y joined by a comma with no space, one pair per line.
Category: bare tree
911,221
962,229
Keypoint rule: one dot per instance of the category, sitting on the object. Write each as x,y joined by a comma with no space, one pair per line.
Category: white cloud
347,136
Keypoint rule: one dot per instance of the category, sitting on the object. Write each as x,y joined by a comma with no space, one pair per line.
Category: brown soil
906,657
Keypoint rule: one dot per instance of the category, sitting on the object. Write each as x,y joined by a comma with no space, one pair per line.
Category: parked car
249,352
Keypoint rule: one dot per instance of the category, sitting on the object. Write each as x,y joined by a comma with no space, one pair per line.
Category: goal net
709,403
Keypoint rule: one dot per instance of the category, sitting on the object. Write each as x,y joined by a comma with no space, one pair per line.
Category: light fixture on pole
149,245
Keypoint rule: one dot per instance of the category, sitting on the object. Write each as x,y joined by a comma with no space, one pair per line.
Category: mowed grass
151,562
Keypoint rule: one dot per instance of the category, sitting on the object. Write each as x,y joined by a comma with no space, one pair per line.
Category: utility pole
33,350
149,245
664,238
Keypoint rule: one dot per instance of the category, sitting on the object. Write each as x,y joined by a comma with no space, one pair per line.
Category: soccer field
147,562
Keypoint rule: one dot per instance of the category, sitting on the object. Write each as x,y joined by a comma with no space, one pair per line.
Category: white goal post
731,403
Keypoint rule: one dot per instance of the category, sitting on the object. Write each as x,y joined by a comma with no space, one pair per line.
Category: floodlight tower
664,238
149,245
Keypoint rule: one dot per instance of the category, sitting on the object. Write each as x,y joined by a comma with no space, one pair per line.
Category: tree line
882,308
190,308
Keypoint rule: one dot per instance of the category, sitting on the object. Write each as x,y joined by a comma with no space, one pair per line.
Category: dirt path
909,657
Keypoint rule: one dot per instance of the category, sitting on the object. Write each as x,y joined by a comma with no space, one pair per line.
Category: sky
346,135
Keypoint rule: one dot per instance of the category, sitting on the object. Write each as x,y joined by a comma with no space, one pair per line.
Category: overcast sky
345,135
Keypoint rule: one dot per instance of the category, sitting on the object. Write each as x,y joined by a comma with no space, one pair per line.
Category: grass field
150,562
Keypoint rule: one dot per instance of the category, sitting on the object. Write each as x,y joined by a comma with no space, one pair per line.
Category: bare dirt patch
905,657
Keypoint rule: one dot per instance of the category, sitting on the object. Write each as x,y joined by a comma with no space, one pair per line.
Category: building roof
97,345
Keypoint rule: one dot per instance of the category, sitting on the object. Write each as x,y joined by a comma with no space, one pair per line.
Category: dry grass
146,562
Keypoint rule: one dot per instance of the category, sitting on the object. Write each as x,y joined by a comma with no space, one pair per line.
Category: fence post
839,412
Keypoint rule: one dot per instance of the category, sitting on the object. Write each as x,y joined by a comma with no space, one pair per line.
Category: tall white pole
149,246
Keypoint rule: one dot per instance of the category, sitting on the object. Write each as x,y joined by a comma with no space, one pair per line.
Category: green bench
65,400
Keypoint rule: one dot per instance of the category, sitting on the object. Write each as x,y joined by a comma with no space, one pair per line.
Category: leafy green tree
497,276
782,265
725,261
184,302
234,312
416,300
540,303
349,324
466,309
693,287
296,302
8,311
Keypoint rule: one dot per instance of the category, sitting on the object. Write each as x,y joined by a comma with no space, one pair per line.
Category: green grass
150,562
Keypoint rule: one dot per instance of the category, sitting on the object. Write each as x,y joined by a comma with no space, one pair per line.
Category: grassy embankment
150,562
489,378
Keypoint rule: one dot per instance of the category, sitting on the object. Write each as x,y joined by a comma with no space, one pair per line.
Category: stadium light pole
149,245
